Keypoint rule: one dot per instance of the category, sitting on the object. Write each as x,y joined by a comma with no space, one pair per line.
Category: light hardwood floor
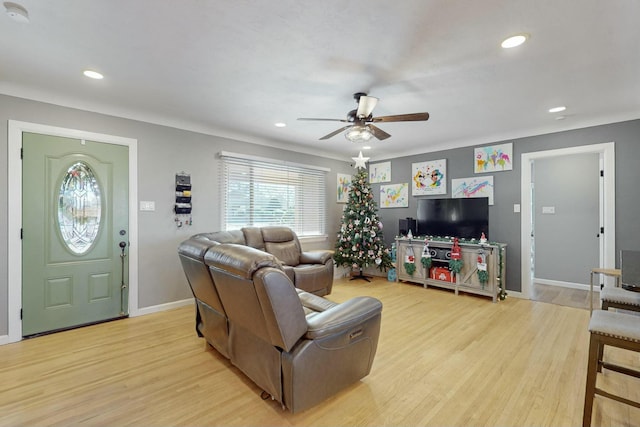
577,298
442,360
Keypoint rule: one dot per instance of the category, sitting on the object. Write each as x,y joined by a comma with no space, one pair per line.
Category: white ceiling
234,68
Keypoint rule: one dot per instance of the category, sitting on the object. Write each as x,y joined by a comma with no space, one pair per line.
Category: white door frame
607,154
14,197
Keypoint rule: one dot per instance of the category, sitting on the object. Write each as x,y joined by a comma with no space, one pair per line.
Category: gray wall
566,241
504,224
162,151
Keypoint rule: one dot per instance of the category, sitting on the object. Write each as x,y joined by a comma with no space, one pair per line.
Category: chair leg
600,355
595,347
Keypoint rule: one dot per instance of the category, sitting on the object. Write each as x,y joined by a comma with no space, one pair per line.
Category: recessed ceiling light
280,125
557,109
366,147
514,41
93,74
17,12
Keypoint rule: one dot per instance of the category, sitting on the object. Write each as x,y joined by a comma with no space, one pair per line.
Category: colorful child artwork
344,185
394,195
495,158
429,178
479,186
379,172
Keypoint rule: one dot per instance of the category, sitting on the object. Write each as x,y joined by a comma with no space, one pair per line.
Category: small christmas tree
360,241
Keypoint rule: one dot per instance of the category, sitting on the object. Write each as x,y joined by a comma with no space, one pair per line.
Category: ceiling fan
361,127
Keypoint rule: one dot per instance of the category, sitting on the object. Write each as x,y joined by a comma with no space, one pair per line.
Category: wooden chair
616,330
625,297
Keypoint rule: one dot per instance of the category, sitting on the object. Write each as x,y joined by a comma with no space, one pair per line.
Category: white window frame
308,218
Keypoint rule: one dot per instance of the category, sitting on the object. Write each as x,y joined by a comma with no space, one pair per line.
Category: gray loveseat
298,347
309,271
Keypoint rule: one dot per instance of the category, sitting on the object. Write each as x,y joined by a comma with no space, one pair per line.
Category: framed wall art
476,186
494,158
379,172
344,186
394,195
429,178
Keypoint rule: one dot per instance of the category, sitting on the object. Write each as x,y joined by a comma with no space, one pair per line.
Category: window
258,192
79,208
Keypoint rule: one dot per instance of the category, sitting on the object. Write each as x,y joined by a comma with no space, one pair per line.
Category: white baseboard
4,339
562,284
515,294
162,307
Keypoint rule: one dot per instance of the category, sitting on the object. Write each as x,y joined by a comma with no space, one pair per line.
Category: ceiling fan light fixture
359,133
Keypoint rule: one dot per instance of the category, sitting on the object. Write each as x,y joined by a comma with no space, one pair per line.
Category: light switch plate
548,209
516,207
147,206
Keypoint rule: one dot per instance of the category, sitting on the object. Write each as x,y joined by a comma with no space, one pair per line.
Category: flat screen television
465,218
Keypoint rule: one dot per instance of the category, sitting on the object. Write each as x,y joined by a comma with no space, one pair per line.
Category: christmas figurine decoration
455,260
360,241
426,256
483,238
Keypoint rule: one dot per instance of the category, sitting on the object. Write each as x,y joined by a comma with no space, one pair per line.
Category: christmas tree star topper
360,161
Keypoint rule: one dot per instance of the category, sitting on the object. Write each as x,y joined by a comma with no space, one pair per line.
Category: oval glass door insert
79,208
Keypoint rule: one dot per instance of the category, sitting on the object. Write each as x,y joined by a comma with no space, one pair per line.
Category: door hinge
602,173
20,314
21,153
21,233
601,230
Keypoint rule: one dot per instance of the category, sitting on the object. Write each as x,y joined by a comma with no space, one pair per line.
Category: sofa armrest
316,257
314,302
343,317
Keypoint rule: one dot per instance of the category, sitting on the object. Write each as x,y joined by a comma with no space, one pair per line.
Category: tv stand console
439,275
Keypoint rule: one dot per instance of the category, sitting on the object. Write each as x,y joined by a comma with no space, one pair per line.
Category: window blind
260,192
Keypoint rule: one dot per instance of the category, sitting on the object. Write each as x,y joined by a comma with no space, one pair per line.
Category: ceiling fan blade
323,120
334,133
415,117
366,104
378,133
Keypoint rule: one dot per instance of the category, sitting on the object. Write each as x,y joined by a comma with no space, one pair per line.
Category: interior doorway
15,217
606,238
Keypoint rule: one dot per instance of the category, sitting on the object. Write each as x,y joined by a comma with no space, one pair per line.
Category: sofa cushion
287,252
253,237
233,236
240,260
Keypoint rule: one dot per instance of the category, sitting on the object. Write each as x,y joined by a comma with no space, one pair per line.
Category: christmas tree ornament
360,162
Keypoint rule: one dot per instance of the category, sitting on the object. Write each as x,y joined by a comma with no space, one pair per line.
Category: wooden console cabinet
439,275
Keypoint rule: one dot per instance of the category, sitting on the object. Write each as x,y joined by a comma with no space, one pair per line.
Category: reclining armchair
298,347
211,319
309,271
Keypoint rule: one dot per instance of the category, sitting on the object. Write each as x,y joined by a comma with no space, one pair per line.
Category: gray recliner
211,319
296,346
309,271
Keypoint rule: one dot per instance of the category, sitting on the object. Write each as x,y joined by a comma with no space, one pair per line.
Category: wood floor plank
442,360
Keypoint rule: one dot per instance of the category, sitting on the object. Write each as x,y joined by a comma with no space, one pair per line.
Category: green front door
75,232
